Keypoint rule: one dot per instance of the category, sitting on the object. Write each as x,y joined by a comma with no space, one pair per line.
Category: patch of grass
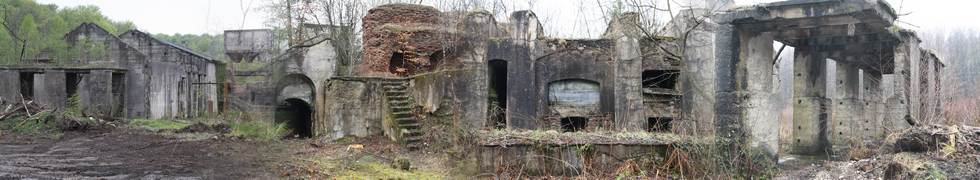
159,124
367,167
259,130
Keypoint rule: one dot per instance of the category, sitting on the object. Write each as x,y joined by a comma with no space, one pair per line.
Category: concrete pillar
50,90
95,92
810,103
630,113
871,94
846,108
754,78
898,111
698,81
9,86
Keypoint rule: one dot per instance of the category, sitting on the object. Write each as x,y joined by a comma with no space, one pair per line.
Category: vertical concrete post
698,80
50,90
873,105
847,110
9,86
898,114
759,114
809,102
630,115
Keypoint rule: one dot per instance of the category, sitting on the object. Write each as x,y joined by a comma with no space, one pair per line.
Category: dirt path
129,154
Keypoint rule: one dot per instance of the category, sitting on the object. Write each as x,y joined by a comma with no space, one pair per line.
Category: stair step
398,97
400,108
399,103
405,120
412,139
412,132
397,83
402,114
394,87
396,92
410,125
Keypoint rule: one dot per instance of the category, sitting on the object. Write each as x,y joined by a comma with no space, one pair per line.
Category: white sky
561,18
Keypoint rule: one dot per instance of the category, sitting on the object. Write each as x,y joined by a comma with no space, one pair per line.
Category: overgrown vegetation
41,124
32,30
261,130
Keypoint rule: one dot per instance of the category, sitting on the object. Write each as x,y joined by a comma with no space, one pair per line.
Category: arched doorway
298,117
294,107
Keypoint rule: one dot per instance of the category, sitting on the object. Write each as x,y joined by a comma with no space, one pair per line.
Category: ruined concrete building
133,75
712,75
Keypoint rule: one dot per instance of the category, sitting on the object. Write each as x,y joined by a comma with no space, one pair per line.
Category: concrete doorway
497,77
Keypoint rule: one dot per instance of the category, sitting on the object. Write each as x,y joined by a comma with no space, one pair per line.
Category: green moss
159,124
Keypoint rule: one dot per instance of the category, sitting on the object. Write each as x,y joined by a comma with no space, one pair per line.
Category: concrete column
810,103
50,90
630,113
847,109
898,112
9,86
871,94
95,92
754,78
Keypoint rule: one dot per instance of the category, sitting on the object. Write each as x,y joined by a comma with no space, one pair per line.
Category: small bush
259,130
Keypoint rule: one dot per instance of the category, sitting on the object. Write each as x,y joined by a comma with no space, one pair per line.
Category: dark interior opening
434,59
659,124
397,61
71,83
118,87
297,115
573,124
497,75
666,79
27,85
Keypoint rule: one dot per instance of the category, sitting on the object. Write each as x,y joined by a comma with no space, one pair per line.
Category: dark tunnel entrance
497,75
298,116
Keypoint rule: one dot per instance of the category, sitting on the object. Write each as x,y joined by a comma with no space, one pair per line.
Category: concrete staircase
402,108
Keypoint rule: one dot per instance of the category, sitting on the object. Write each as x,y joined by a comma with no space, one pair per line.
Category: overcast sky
562,18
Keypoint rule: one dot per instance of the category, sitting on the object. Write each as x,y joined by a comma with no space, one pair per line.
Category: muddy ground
134,154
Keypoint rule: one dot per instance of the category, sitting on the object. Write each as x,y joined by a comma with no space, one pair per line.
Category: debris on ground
922,152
